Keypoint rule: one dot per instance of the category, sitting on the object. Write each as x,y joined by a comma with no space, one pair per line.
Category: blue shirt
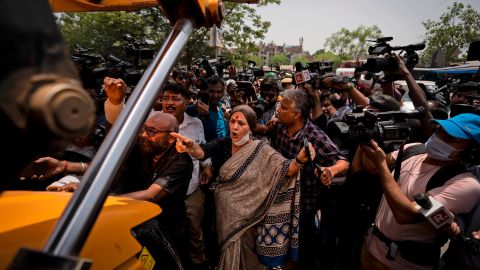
214,124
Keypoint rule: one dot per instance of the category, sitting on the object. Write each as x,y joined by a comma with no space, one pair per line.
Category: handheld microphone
435,212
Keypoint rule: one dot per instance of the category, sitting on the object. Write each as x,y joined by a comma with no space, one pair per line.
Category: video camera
251,72
321,68
118,68
214,66
93,68
138,48
90,66
388,129
311,72
383,50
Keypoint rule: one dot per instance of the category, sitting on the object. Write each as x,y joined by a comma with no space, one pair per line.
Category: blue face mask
438,149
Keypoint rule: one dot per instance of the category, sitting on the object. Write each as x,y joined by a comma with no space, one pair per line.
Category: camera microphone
435,212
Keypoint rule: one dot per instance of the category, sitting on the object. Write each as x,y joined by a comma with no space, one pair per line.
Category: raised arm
339,84
115,90
416,94
403,208
186,145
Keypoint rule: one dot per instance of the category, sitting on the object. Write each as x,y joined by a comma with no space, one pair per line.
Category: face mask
438,149
243,140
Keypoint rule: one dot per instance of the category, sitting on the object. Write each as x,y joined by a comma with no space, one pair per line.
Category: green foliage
102,31
301,58
455,29
257,59
321,55
279,59
242,27
352,44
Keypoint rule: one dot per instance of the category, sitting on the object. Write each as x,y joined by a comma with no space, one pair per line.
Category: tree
279,59
255,58
102,31
300,58
321,55
352,44
455,30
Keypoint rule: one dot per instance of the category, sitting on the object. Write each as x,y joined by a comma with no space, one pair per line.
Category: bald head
163,121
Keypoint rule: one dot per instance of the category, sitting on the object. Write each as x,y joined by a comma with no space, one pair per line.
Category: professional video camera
90,66
93,68
389,129
383,51
138,48
321,68
250,72
118,68
214,66
311,72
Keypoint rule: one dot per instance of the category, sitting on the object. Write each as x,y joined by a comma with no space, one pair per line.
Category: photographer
269,91
360,194
464,90
335,107
465,98
402,238
416,93
346,86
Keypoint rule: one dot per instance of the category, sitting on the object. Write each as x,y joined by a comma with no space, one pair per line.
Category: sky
315,20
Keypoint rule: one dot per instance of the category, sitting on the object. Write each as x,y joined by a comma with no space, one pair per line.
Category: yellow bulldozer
43,106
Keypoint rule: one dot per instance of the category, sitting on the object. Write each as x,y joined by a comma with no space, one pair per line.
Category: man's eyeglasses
152,132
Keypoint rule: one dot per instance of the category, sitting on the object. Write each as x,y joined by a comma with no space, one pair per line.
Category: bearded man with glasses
154,170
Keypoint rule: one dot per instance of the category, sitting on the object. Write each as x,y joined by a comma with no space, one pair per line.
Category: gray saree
257,208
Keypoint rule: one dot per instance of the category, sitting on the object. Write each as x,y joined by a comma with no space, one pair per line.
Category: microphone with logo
433,210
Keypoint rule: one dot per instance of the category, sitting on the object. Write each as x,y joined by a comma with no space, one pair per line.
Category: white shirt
192,128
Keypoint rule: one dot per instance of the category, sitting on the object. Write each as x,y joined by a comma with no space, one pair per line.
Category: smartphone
33,169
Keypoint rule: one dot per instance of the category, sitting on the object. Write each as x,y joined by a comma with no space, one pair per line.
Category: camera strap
439,178
413,150
444,174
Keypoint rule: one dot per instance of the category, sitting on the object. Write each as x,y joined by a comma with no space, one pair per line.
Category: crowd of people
255,175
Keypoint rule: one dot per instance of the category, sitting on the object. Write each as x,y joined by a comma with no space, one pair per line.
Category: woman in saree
256,194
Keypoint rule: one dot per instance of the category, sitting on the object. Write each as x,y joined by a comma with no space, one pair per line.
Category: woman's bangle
65,167
298,164
299,161
83,167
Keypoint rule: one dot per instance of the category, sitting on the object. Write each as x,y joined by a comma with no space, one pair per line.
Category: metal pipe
77,220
